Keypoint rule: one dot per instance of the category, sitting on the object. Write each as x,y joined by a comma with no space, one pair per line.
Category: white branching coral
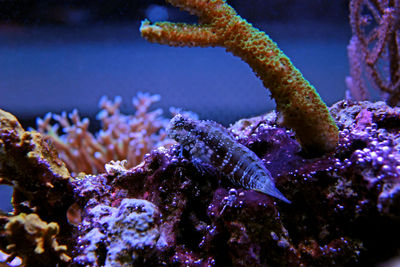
122,137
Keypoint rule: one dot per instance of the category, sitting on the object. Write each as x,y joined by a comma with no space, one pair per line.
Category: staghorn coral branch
179,34
297,101
205,9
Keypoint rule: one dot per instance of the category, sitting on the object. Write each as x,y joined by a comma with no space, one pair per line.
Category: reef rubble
168,211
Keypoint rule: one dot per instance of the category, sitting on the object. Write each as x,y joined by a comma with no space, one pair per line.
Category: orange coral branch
179,34
300,105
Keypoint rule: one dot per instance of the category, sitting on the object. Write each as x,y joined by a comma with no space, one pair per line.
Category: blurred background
58,55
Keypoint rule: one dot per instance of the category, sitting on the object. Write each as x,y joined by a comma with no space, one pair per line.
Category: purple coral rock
120,236
169,211
336,198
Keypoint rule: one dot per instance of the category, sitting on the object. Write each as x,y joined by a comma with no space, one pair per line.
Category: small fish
213,144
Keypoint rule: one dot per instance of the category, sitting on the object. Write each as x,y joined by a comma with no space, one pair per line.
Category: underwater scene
200,133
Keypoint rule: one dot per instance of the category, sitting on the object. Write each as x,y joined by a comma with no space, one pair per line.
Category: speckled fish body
213,144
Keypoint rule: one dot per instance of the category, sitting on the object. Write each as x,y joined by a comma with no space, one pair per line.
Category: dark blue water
51,69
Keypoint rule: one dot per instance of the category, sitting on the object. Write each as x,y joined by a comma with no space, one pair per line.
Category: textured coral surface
42,188
122,137
168,211
296,99
40,246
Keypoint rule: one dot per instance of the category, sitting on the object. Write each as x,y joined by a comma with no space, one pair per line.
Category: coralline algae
165,211
124,234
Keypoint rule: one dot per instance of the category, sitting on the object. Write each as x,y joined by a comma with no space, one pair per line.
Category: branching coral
374,49
34,241
122,137
296,99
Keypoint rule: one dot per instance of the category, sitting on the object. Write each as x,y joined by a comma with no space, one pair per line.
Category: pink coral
122,137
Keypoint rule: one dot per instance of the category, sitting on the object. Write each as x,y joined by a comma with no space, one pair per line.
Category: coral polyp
122,137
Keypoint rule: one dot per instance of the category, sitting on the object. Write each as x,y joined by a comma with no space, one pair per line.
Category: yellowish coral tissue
28,230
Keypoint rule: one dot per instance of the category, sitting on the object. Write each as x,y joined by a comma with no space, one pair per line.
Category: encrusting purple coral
126,233
168,211
334,201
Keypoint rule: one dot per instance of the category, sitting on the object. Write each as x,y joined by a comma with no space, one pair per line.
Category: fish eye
178,120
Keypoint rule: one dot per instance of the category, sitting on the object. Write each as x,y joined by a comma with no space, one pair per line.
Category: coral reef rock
120,236
170,211
30,164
